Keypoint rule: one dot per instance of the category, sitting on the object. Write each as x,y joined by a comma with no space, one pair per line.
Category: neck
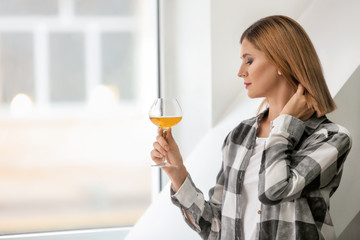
277,101
274,111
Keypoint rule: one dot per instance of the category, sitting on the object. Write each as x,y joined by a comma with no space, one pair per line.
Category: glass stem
164,160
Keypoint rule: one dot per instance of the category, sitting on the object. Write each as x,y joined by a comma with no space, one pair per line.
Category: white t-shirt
251,203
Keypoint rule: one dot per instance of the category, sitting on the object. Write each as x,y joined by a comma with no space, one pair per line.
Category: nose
242,72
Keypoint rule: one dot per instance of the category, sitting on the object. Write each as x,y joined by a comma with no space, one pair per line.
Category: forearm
277,180
177,179
199,214
177,176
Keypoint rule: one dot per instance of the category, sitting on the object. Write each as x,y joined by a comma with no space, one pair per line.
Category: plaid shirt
301,167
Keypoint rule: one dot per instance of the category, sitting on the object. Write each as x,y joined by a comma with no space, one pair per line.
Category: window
76,80
17,65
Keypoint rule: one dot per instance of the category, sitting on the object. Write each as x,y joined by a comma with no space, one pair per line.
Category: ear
279,73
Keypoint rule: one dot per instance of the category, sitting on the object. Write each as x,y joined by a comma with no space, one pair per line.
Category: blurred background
76,80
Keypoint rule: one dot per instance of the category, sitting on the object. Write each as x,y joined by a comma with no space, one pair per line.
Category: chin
255,95
252,95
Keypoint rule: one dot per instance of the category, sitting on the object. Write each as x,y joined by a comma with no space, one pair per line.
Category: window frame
88,234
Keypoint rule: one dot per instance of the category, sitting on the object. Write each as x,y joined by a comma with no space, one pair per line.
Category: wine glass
165,113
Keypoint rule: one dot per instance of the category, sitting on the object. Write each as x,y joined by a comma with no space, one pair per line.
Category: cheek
265,75
265,80
267,72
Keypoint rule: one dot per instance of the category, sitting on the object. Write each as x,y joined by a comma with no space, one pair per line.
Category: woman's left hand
297,105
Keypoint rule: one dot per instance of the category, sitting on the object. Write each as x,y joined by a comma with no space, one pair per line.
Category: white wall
345,203
212,96
334,29
187,66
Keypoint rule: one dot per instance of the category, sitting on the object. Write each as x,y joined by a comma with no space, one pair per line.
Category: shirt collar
310,125
261,115
313,123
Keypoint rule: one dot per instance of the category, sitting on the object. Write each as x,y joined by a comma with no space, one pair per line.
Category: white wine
165,122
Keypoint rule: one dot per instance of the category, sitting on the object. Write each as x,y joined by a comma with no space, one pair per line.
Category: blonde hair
286,44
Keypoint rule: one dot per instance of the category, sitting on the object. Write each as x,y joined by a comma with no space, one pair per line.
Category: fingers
169,136
166,138
156,156
300,90
162,142
159,149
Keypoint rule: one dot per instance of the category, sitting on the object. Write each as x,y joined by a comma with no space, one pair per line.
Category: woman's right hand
297,105
167,147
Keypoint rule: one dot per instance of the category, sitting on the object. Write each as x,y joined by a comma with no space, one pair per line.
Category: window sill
91,234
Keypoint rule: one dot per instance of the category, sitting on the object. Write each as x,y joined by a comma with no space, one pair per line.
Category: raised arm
287,169
287,172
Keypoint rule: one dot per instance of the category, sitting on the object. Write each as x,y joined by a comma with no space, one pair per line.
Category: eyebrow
245,55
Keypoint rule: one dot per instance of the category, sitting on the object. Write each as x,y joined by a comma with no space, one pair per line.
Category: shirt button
259,212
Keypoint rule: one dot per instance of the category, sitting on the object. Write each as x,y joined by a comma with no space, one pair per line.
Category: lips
247,85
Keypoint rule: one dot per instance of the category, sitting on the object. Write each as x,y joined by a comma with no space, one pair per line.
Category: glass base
163,164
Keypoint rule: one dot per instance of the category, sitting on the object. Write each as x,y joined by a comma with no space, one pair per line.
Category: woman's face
261,77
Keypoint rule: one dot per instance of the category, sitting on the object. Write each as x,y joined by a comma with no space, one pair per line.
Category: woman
279,168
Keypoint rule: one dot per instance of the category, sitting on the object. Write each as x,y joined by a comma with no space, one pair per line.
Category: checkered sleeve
286,172
206,215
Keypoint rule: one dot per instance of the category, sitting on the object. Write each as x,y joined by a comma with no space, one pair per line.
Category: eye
249,61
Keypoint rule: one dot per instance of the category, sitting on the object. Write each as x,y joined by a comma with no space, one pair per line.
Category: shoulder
331,133
332,128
